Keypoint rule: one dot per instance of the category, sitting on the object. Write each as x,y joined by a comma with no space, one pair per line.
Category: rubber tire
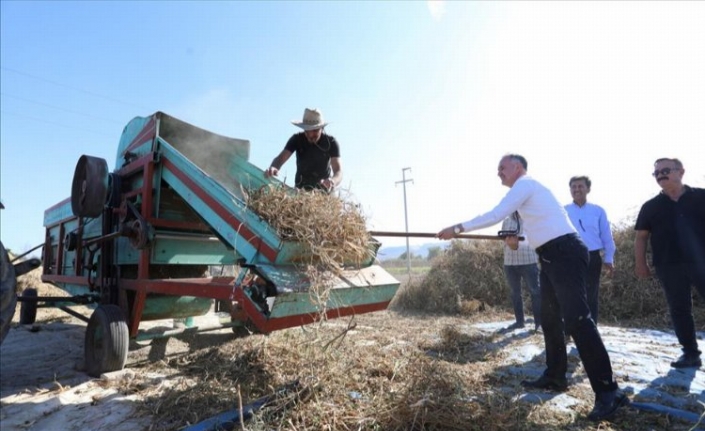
28,310
107,341
8,294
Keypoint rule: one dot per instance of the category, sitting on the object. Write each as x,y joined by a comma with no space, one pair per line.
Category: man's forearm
640,251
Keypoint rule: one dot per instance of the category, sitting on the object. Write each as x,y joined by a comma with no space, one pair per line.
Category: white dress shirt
543,216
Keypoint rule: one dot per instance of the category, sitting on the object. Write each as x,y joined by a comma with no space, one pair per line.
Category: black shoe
510,328
544,382
688,360
606,404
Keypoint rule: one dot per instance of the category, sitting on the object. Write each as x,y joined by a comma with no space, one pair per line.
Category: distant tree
403,256
434,252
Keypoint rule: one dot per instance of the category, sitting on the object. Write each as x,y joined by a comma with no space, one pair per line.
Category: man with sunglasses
674,222
564,262
591,222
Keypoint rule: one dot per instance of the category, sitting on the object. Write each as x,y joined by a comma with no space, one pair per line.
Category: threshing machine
137,243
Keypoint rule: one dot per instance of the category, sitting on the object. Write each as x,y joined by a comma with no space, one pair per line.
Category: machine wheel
107,340
8,295
28,310
89,190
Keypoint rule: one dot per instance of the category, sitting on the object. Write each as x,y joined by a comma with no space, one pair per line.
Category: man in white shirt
564,261
591,222
521,264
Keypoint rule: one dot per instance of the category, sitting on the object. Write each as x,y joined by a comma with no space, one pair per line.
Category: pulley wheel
89,190
141,234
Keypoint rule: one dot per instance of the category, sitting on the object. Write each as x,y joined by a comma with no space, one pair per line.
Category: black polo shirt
312,160
677,227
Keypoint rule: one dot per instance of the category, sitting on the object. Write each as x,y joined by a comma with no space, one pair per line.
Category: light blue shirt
592,225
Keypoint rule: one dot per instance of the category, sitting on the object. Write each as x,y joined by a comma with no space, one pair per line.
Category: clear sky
445,88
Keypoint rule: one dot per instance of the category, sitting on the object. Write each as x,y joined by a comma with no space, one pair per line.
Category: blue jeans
676,280
530,274
564,264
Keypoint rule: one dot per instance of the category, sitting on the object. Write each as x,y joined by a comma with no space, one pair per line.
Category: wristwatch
458,228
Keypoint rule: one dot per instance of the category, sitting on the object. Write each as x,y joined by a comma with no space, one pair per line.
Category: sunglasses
664,171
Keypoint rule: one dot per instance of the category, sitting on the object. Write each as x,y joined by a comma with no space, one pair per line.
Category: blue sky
445,88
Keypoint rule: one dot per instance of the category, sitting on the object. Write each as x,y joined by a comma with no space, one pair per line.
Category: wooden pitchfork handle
500,235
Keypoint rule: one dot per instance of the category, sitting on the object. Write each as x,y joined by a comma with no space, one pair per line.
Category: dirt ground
43,385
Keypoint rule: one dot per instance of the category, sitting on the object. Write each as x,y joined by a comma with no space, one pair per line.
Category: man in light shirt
564,262
521,264
591,222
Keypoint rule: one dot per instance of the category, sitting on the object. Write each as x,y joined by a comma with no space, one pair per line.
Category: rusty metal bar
433,235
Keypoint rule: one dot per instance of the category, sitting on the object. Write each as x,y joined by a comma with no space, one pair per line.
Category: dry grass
417,367
376,377
471,272
330,229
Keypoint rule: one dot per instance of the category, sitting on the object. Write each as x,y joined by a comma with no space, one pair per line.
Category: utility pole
406,218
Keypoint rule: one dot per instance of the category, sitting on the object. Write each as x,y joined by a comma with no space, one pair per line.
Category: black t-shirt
677,228
312,160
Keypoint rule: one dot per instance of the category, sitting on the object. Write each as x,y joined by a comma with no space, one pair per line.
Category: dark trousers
593,283
530,275
564,263
676,280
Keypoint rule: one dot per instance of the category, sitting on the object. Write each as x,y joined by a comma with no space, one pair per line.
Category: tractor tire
28,310
8,295
107,340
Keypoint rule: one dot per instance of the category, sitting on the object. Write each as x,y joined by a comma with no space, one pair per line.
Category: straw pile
332,231
358,377
473,271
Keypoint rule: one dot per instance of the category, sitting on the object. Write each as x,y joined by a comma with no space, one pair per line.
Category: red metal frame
266,325
217,288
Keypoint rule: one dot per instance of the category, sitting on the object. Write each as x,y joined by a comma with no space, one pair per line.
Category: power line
42,120
112,99
58,108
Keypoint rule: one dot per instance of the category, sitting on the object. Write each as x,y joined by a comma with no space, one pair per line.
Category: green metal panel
351,288
297,303
126,253
173,307
57,213
191,250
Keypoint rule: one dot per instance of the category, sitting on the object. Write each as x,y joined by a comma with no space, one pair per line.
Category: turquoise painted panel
224,197
76,289
191,250
57,213
296,303
126,253
172,307
92,228
129,133
352,287
289,278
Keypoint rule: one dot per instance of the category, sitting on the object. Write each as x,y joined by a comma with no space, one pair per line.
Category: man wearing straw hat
318,164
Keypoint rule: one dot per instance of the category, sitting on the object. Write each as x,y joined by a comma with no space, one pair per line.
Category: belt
555,241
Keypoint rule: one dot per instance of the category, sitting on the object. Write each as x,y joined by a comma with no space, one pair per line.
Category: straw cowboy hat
313,119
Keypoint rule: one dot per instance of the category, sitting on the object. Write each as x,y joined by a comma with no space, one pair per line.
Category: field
430,362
